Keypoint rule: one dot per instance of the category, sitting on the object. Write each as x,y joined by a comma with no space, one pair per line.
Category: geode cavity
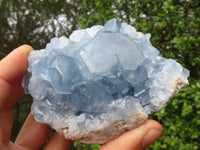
100,82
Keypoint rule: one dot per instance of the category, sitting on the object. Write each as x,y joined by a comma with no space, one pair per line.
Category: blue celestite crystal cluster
100,82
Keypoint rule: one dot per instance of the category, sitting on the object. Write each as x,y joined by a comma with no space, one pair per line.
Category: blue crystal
98,77
64,75
112,25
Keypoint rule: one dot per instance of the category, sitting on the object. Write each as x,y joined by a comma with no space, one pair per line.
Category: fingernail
150,137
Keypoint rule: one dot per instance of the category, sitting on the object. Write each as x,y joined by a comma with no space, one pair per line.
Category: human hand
34,134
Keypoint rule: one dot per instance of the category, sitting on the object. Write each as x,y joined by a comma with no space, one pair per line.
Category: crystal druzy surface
100,82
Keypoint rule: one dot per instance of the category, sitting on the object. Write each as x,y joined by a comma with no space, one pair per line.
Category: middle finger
33,134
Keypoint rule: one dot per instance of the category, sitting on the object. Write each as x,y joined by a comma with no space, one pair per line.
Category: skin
33,134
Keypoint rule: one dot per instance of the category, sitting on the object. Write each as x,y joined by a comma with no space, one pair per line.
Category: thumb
138,138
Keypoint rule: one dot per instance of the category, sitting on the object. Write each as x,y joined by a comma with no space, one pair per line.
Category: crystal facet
100,82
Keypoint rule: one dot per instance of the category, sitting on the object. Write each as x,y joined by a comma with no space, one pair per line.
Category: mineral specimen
100,82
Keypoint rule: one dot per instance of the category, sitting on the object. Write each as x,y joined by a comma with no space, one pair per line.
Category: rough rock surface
100,82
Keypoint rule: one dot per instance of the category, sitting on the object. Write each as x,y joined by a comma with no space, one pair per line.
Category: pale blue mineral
100,82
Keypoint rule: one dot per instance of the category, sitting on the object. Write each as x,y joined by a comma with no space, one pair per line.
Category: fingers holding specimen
33,134
138,138
58,141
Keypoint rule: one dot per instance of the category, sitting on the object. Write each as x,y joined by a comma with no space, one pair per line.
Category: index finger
12,69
